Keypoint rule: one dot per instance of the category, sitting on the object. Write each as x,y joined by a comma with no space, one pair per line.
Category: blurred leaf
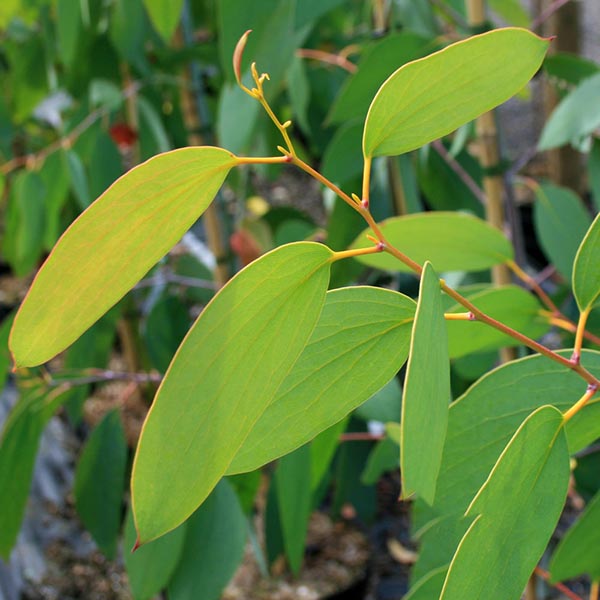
69,27
292,481
213,548
569,68
451,241
359,327
164,329
512,11
575,118
246,486
5,361
521,500
128,30
100,482
405,113
586,274
384,405
577,552
426,393
308,11
106,94
150,567
56,178
383,457
124,235
79,180
322,451
342,160
594,173
106,165
165,15
510,304
561,220
265,316
377,62
150,119
299,92
25,222
18,448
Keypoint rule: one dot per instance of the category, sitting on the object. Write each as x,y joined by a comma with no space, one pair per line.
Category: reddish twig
559,586
337,60
361,436
546,14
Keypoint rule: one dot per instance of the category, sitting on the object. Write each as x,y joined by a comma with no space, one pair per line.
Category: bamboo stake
489,157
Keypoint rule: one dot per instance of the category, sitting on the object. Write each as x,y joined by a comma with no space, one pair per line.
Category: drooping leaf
100,482
451,241
359,327
112,245
374,67
69,27
384,457
517,507
322,451
213,548
509,304
569,68
150,567
561,220
586,274
292,481
55,175
18,449
575,118
385,405
225,374
428,98
164,15
577,552
426,393
80,185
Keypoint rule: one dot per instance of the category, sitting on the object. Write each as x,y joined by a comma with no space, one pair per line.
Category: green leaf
56,178
509,304
359,327
374,67
213,549
569,68
299,92
428,98
308,11
484,418
426,393
225,374
594,173
100,482
385,405
586,274
512,11
68,28
164,15
515,513
111,246
576,116
429,586
384,457
4,353
322,451
577,553
150,567
18,448
342,159
561,220
451,241
79,180
293,487
25,222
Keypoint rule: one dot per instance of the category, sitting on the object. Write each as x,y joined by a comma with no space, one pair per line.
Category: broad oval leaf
517,508
451,241
509,304
225,374
112,245
430,97
586,271
427,394
358,328
577,553
561,221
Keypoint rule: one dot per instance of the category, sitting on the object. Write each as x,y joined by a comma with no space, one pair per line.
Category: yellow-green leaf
430,97
426,393
112,245
359,327
451,241
224,375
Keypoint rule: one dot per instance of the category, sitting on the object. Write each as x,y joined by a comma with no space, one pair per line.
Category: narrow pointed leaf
515,513
224,375
428,98
292,483
451,241
426,393
358,328
112,245
150,567
213,548
165,15
577,554
100,481
586,271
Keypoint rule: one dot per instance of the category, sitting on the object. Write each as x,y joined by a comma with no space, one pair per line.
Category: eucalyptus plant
276,358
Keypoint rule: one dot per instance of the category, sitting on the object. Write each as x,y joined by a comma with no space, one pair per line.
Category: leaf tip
138,543
237,56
